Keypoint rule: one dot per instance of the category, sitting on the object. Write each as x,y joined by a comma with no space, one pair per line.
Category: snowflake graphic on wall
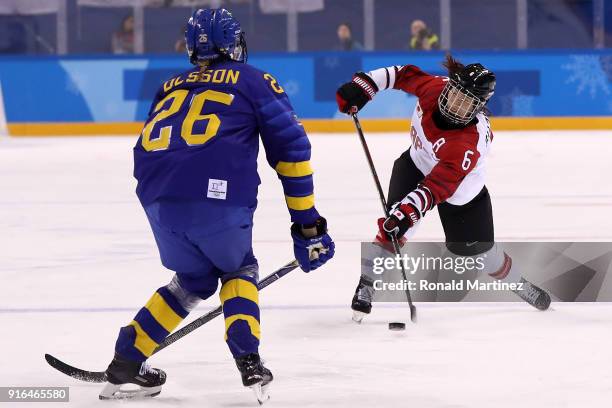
586,71
522,105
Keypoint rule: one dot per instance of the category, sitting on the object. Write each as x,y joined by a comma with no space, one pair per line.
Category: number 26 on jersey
155,138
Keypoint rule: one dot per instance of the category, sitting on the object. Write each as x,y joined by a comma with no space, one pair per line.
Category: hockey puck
397,326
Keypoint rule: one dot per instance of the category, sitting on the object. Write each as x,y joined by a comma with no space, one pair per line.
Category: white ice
77,260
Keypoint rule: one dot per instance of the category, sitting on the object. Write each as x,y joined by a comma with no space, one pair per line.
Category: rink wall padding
313,126
101,94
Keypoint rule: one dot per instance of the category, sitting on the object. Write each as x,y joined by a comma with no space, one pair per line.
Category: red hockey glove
383,238
352,96
401,218
404,214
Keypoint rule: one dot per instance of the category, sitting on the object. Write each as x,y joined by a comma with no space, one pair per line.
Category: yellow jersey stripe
239,288
143,342
300,203
294,169
251,321
162,313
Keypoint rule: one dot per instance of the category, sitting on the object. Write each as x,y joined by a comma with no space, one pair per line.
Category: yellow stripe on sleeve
251,321
143,342
239,288
300,203
163,314
294,169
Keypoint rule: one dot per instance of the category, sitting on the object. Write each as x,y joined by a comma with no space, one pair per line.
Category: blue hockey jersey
200,141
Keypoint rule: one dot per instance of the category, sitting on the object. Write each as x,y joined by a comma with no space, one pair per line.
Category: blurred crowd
422,38
109,26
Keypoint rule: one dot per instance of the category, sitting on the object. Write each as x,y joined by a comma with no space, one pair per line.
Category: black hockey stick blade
413,313
76,373
100,376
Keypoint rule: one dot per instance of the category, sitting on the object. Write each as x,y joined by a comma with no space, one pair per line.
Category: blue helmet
214,33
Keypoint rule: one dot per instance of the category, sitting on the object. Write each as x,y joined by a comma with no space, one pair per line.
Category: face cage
239,53
464,105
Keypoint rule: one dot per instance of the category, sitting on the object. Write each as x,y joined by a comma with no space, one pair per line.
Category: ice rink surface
77,260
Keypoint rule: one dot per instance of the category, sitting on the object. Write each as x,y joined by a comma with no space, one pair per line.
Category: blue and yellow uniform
196,166
204,126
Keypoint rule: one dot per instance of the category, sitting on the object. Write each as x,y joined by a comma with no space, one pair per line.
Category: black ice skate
533,295
255,376
121,372
362,300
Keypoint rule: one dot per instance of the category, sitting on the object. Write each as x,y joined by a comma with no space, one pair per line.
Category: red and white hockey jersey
452,160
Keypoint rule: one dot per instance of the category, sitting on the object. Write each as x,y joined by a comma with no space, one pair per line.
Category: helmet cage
239,51
458,105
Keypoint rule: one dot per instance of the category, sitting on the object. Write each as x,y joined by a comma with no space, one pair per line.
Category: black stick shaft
366,150
383,202
182,332
100,376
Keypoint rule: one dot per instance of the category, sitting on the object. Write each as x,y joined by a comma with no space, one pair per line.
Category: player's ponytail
203,67
452,65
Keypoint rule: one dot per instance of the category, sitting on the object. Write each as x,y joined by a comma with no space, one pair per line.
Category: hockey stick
383,202
100,376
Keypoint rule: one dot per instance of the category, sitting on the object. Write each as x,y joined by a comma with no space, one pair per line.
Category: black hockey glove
352,96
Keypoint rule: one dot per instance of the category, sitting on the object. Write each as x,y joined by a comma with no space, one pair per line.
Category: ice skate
255,376
362,300
122,374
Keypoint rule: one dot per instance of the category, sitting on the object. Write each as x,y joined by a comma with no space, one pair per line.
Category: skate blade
358,316
114,392
261,392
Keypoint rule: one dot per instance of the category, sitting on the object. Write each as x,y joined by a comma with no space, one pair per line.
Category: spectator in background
345,39
123,40
422,37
